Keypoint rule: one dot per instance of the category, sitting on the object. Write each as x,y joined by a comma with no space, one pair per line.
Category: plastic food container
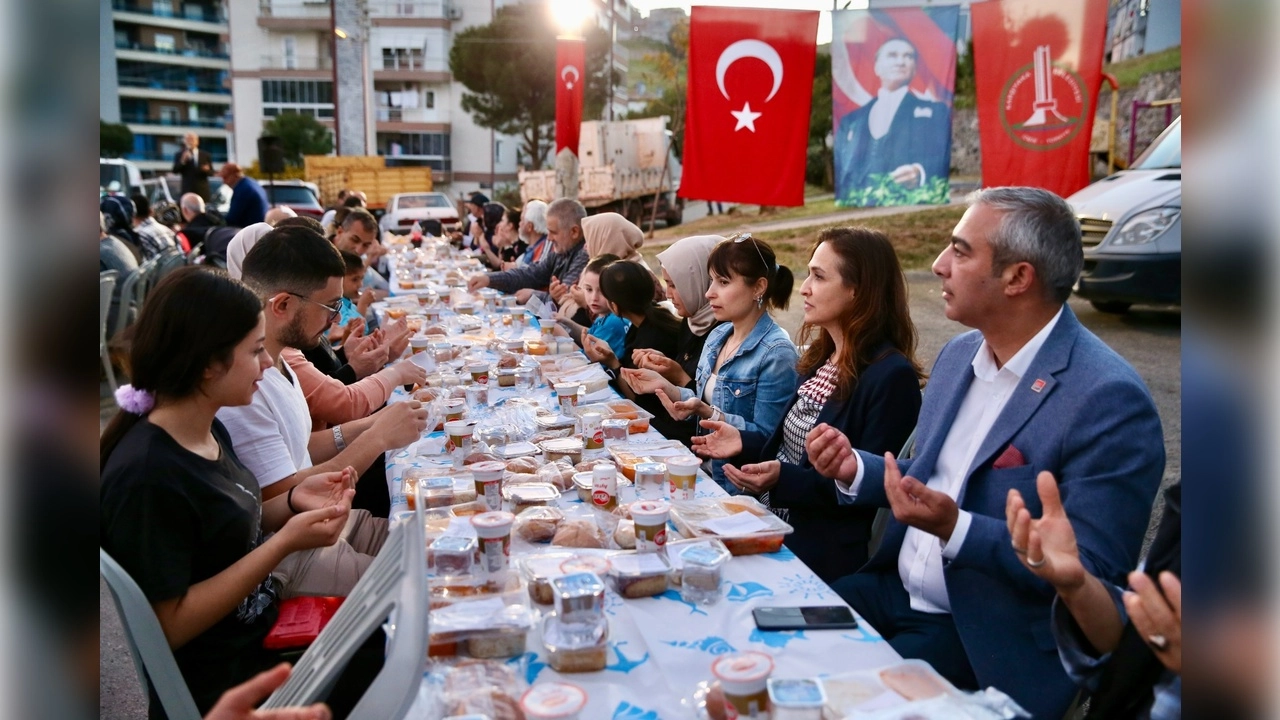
538,524
682,476
579,601
589,654
586,564
453,555
744,678
538,571
592,431
582,482
638,418
638,575
514,450
488,480
701,569
553,701
569,449
506,377
558,425
744,525
523,497
650,518
494,531
796,698
436,492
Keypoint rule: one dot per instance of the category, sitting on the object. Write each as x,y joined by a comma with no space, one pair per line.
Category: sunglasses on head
744,236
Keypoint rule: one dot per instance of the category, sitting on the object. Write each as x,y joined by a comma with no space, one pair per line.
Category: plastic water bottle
415,234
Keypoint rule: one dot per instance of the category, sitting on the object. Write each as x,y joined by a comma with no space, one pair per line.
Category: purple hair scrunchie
134,400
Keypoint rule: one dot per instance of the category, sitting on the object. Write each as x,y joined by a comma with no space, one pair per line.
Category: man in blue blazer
1030,390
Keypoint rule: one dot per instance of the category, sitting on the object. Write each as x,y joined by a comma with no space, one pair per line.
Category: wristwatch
338,440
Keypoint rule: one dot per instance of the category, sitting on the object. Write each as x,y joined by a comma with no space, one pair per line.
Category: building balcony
296,62
187,57
285,16
408,8
191,12
180,89
192,52
176,123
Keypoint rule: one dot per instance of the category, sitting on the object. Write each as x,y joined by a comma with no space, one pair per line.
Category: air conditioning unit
453,11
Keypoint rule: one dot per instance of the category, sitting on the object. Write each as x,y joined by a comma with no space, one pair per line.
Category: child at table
606,327
354,304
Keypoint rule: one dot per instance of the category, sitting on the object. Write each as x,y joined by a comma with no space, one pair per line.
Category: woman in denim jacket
747,372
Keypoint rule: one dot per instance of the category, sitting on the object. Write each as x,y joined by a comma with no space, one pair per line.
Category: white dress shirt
881,116
920,559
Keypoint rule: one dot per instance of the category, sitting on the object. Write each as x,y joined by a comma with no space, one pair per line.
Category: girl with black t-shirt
179,512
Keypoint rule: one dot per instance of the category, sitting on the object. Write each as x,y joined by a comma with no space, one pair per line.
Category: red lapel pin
1038,385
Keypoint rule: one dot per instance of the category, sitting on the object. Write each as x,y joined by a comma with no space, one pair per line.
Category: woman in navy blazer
859,374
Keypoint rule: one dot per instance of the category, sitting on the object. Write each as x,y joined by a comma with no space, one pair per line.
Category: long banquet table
661,648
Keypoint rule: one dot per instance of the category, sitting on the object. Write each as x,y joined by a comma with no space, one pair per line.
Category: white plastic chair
133,289
152,657
168,261
396,582
106,287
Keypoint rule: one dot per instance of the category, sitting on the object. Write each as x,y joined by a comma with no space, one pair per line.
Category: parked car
432,210
302,197
1131,223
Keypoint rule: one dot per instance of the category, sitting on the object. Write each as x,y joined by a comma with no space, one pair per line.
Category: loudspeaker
270,154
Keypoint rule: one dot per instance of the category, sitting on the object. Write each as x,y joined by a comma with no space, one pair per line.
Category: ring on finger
1158,641
1035,563
1018,550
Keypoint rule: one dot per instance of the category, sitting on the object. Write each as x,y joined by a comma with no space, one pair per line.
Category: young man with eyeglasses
298,275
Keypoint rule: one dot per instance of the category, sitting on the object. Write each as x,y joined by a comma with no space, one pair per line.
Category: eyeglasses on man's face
333,311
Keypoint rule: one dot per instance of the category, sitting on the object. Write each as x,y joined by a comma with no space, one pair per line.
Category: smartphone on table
821,617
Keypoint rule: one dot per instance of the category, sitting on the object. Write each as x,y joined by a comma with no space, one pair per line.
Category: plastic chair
883,514
152,657
168,261
132,291
395,581
106,287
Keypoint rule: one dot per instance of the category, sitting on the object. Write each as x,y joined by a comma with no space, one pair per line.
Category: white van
1131,223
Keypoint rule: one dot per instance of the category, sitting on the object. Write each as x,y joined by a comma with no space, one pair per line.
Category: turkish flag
750,86
1038,69
571,59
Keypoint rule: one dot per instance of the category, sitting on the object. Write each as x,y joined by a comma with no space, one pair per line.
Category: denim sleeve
1078,658
534,277
775,385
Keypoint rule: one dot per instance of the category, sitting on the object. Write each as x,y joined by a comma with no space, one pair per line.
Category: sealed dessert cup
650,517
494,532
651,480
553,701
604,486
682,476
453,555
488,479
701,570
592,432
581,652
796,698
744,678
579,599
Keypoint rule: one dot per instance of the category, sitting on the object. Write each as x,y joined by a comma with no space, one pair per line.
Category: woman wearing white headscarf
241,244
605,234
685,276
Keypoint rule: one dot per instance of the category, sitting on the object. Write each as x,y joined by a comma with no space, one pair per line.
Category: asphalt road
1150,339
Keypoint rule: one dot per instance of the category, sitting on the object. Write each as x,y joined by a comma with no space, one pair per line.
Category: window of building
308,97
162,8
403,58
431,149
290,53
169,115
165,43
429,99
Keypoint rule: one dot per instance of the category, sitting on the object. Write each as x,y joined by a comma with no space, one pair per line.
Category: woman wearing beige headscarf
685,276
241,244
605,234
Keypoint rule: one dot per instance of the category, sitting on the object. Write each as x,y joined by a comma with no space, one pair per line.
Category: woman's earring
759,301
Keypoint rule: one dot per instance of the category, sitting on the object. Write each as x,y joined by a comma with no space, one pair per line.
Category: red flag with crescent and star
750,86
571,58
1038,69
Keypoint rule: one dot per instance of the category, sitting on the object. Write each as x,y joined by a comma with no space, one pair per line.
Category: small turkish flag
750,87
571,58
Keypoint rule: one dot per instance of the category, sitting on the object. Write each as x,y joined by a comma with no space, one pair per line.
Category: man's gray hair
535,213
1039,228
568,211
362,216
193,203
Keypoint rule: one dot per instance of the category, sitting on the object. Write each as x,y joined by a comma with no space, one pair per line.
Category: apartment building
376,72
170,67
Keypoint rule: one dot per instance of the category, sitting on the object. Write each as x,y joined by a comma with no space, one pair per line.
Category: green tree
668,72
114,139
818,168
509,69
966,88
300,135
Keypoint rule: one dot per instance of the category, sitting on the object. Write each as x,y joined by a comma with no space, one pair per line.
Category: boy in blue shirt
606,326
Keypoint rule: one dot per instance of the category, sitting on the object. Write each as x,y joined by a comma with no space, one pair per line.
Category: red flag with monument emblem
571,58
749,90
1038,69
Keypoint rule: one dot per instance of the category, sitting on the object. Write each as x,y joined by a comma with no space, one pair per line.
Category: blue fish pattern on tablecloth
674,595
627,711
783,555
711,645
806,585
742,592
532,669
624,664
775,638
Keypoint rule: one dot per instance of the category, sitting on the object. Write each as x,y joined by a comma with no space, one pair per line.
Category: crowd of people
247,463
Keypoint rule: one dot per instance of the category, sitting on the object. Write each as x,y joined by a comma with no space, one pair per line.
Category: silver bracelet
338,440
